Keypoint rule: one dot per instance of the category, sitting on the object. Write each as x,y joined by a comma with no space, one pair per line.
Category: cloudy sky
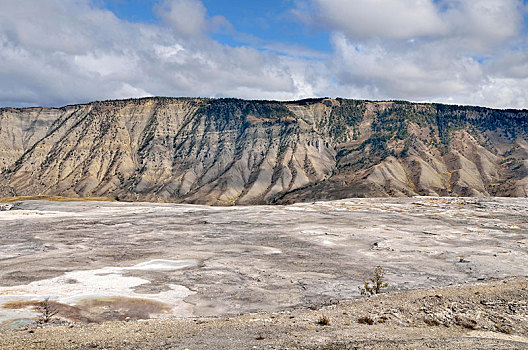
58,52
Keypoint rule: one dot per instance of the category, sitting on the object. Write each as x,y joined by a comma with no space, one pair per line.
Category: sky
59,52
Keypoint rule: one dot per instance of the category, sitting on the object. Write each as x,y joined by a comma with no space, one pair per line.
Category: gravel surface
486,315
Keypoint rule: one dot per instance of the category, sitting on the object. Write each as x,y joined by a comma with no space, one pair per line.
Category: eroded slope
229,151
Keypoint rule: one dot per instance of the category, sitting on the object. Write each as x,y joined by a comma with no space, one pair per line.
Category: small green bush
376,284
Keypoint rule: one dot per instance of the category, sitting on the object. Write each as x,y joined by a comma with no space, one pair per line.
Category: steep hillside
230,151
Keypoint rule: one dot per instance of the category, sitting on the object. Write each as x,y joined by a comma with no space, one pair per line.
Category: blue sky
131,10
58,52
257,23
271,21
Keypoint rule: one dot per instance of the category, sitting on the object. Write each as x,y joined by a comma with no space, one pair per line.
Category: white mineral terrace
201,260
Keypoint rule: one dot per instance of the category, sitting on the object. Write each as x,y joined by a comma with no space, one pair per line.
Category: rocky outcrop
230,151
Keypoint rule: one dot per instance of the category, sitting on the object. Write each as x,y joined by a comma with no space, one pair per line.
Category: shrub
466,322
378,283
366,320
47,310
323,321
431,322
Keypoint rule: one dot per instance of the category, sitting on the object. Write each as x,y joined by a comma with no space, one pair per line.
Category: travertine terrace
206,261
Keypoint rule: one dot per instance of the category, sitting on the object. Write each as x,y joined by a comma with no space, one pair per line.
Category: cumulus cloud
188,17
57,52
417,72
397,19
485,24
457,51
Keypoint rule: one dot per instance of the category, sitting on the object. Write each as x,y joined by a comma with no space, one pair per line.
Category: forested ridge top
304,101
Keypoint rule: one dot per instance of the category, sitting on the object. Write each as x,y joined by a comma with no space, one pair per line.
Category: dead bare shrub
432,322
466,322
503,328
323,321
47,310
366,320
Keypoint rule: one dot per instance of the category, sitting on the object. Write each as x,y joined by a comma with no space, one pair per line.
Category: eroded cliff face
229,151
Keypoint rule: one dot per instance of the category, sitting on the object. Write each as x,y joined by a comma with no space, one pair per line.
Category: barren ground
120,262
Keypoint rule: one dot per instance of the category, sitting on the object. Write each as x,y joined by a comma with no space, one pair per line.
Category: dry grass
46,308
93,309
55,199
432,322
16,304
323,321
366,320
466,322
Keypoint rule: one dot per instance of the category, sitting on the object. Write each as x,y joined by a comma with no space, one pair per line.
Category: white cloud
513,64
480,24
504,92
457,51
188,17
57,52
415,72
485,24
396,19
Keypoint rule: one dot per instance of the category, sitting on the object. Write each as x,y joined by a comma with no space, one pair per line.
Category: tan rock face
228,151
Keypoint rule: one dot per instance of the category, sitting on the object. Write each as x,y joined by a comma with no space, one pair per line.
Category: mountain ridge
233,151
299,101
